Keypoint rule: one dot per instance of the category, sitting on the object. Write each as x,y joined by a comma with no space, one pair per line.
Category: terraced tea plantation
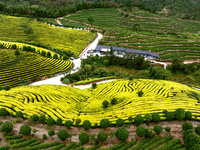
27,66
142,30
70,103
25,30
156,143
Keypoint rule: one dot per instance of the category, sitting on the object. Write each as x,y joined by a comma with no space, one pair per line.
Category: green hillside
142,30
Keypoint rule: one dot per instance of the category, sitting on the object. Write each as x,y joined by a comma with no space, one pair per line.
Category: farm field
142,30
42,34
70,103
27,67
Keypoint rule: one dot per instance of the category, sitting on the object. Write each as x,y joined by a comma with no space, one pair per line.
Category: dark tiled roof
99,47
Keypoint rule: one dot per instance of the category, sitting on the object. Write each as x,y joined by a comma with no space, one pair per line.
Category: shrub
195,147
168,129
102,136
19,114
155,117
14,46
78,121
187,126
55,56
120,122
141,131
51,132
44,136
149,133
25,129
187,132
105,103
192,139
148,117
188,115
113,101
86,124
179,114
50,121
43,53
169,116
7,127
83,137
3,112
35,117
130,119
106,62
197,130
94,85
68,123
138,120
42,118
59,121
158,129
140,93
122,134
48,54
63,134
104,123
17,52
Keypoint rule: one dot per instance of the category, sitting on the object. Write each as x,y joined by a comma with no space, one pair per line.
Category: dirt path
176,130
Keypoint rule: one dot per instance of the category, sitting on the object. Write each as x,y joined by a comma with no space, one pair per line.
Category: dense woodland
185,9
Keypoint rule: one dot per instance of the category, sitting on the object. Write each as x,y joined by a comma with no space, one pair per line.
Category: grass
71,103
143,30
12,29
21,69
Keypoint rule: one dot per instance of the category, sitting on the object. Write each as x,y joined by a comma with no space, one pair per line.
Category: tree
138,120
140,131
169,116
158,129
105,123
188,115
51,132
48,54
113,101
77,122
44,136
149,133
192,139
148,117
68,123
179,114
34,117
177,63
197,130
105,103
50,121
168,129
90,20
63,134
55,56
42,118
3,112
187,126
122,134
140,93
102,136
86,124
7,127
155,117
83,137
195,147
119,122
130,119
59,121
94,85
19,114
25,129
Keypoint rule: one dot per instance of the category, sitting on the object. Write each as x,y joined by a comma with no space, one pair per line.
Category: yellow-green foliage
8,45
72,103
16,69
66,39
